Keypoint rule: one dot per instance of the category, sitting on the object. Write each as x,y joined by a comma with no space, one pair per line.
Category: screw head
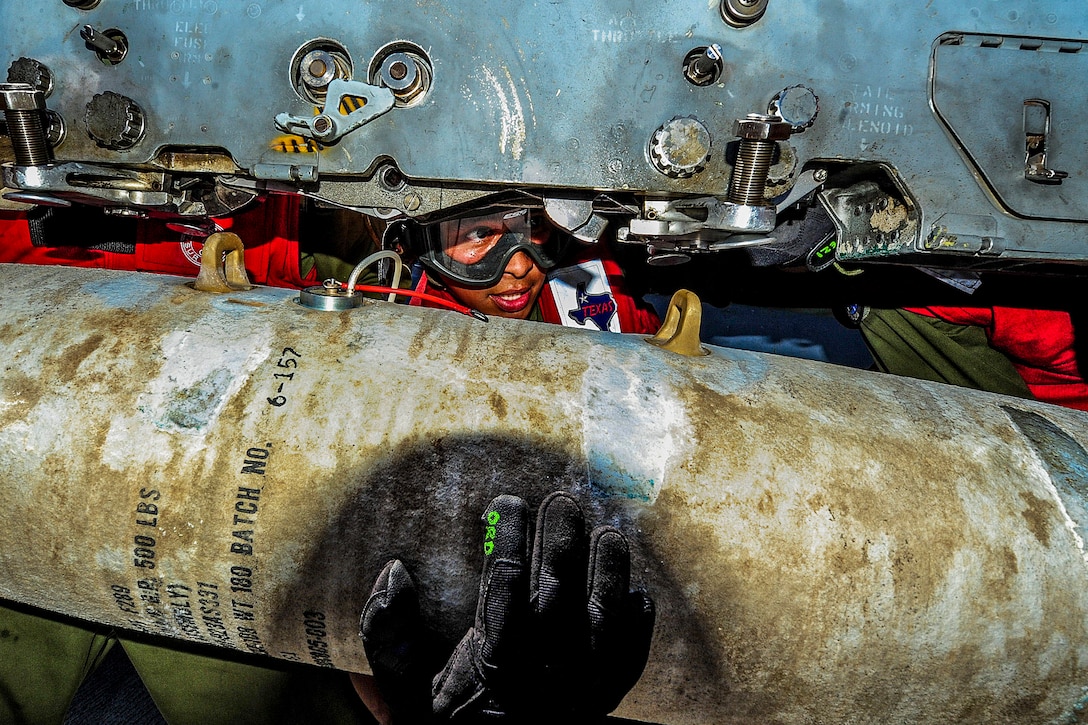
323,126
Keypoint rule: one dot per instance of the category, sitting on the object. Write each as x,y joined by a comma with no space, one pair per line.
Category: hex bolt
114,121
680,148
34,72
23,106
757,134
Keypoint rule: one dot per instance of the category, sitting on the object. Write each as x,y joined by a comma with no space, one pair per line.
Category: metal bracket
870,222
577,217
679,332
691,216
332,124
62,184
807,181
222,265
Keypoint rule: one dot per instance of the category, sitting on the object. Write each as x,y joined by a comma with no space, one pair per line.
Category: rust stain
498,405
1038,514
20,394
884,566
72,357
422,339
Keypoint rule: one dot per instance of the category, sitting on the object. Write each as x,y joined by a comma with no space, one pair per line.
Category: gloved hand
562,637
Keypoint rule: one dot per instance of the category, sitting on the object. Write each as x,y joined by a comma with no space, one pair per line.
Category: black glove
565,638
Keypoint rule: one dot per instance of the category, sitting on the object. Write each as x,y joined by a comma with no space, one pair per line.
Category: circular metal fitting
82,4
390,178
742,13
33,73
318,69
403,68
703,66
760,127
796,105
323,127
399,72
114,121
315,65
680,148
20,97
329,298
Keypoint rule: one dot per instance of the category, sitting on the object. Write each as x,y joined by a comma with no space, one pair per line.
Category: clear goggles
475,250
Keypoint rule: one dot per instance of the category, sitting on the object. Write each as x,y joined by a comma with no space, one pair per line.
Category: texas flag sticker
583,297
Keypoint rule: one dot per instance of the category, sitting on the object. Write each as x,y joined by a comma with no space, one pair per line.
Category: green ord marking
489,533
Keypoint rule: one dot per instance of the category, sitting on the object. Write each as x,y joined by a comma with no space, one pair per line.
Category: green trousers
43,660
928,348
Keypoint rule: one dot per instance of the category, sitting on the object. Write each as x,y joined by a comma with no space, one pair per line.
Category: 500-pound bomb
823,544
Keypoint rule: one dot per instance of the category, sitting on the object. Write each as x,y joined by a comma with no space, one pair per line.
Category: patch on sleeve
584,298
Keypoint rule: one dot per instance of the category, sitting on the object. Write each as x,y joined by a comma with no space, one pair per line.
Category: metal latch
332,123
1037,133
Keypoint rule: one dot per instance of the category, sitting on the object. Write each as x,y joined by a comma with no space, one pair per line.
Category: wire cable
377,256
441,301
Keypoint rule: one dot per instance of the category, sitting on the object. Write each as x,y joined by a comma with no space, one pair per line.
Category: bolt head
114,121
762,128
20,97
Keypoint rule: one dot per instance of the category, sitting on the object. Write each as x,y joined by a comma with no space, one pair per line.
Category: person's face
470,241
513,296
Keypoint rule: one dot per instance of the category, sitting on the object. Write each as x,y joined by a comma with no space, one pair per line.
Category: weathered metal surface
824,544
926,98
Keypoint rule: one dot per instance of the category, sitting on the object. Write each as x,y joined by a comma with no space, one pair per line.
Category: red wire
373,289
